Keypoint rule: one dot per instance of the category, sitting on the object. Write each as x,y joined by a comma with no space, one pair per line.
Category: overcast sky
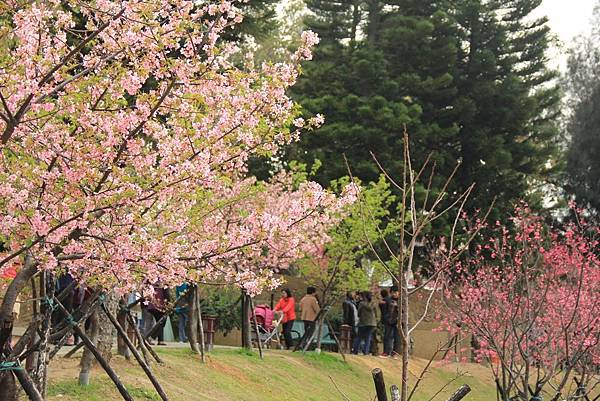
568,18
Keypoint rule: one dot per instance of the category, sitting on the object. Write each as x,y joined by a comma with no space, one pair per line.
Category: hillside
236,375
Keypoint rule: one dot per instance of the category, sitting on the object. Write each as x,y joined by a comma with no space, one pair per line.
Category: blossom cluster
530,298
125,132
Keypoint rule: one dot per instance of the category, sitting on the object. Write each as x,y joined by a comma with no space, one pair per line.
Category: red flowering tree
530,299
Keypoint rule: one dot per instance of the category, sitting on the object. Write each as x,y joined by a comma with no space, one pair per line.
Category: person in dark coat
391,338
350,312
367,321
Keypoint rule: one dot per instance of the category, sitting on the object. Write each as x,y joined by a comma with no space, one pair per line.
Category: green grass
240,375
70,389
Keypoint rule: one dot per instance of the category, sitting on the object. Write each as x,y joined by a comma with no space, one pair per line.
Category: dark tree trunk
193,320
87,359
246,339
122,348
8,387
40,371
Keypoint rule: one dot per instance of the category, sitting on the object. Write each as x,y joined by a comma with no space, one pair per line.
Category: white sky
567,18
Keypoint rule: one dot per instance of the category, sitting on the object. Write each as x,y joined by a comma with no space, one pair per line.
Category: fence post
379,384
395,393
460,393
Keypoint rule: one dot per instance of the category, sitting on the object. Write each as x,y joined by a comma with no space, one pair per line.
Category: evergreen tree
348,82
468,79
260,20
507,102
583,126
419,42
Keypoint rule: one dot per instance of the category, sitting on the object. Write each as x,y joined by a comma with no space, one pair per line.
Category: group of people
155,307
360,313
309,312
147,312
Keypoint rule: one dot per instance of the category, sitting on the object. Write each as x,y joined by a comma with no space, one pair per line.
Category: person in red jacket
287,305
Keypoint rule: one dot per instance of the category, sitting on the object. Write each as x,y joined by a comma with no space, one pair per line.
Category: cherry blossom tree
124,133
530,299
274,225
270,229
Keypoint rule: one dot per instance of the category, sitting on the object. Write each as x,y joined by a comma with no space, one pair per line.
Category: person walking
287,305
309,310
367,321
391,338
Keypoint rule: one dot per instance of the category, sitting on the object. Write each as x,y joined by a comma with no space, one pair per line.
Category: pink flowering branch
529,298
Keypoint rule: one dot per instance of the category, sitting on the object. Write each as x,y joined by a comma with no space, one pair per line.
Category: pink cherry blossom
125,156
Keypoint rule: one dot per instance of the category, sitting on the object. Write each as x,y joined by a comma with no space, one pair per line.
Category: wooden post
258,342
395,392
339,345
152,352
138,336
200,325
90,345
28,386
86,310
379,384
135,353
73,350
460,393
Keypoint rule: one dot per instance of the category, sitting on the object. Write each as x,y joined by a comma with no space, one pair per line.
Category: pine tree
582,84
348,82
468,79
506,102
419,42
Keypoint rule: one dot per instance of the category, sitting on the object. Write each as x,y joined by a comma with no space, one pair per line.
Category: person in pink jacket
287,305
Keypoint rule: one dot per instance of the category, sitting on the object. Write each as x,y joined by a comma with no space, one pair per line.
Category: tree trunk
374,9
200,324
10,298
8,387
319,330
404,336
87,359
106,330
40,373
246,339
193,320
122,348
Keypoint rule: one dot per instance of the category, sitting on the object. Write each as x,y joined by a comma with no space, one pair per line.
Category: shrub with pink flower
530,298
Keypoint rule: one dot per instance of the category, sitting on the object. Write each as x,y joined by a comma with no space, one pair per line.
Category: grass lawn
237,375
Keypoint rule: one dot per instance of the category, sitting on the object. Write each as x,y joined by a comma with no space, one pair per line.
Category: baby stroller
267,323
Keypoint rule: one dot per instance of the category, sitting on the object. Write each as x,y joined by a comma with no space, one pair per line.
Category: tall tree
507,101
583,96
468,79
349,83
